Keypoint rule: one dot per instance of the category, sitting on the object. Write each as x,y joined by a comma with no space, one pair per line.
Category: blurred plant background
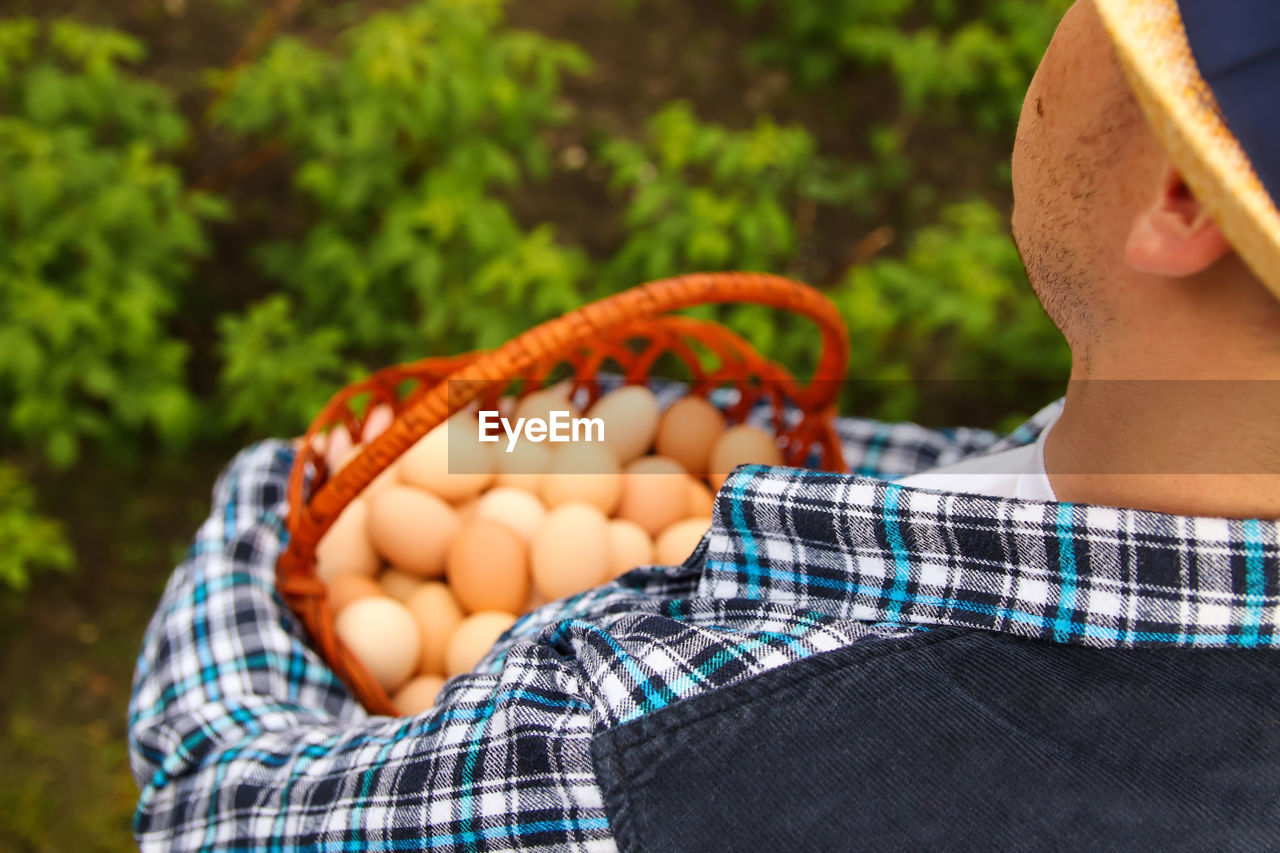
213,213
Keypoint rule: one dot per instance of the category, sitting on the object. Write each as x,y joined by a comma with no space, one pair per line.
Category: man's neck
1190,447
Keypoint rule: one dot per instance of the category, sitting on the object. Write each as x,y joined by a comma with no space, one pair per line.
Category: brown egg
474,638
540,404
412,529
700,501
629,546
742,445
516,508
630,416
524,466
383,635
583,472
418,695
438,615
398,584
488,567
347,588
346,547
571,551
676,543
655,493
687,432
450,461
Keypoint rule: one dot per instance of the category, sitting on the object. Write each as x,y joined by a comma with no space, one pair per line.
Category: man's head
1121,254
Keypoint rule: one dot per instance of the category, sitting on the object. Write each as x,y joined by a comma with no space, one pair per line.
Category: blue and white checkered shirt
242,739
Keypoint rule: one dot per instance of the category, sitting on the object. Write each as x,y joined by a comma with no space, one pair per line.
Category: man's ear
1174,237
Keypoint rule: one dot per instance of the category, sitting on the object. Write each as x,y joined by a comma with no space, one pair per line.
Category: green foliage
703,197
404,137
96,237
29,542
970,62
957,306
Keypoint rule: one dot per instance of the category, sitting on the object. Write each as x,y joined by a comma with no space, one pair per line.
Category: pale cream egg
383,635
524,467
583,472
571,551
630,416
516,508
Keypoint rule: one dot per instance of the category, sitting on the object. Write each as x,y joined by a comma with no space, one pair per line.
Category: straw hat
1193,108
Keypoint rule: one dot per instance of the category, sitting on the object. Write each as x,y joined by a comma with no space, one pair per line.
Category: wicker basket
627,333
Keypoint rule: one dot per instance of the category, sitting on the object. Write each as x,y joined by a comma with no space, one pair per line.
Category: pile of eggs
447,547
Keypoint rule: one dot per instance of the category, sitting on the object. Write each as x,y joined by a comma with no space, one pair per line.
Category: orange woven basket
632,330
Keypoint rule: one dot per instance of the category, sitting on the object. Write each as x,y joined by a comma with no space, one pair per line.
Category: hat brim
1152,45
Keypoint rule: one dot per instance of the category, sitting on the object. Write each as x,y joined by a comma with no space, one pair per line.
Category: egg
583,472
346,547
540,404
524,466
467,510
516,508
390,476
474,638
412,529
438,615
488,567
347,588
742,445
399,585
676,543
343,461
383,635
450,461
629,546
338,450
687,432
655,493
376,422
630,416
699,501
418,695
570,552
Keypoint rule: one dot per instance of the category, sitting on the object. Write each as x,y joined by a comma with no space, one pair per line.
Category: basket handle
309,522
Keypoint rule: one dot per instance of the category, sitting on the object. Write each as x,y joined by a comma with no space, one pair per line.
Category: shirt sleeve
242,738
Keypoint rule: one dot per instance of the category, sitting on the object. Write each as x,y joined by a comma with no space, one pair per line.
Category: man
1062,644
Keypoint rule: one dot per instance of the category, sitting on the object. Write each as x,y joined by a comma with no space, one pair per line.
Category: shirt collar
860,548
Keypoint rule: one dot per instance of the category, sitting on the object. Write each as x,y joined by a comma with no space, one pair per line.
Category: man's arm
242,738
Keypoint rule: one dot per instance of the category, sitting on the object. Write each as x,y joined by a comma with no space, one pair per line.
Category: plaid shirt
242,739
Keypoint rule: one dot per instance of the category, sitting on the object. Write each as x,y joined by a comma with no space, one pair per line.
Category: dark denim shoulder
955,739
